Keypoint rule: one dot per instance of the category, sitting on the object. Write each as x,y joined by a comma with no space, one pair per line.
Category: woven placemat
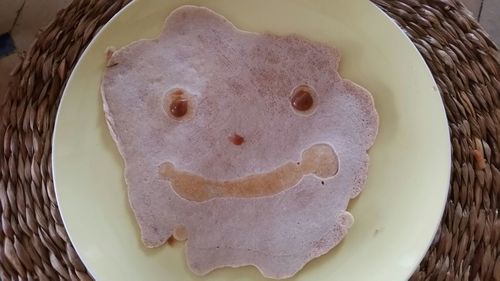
463,60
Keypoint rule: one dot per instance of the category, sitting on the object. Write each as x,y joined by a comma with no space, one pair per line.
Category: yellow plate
397,214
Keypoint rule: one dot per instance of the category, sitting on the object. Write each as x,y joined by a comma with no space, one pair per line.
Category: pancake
248,146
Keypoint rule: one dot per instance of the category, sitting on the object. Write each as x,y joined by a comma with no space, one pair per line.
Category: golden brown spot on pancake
302,98
171,241
320,160
180,233
236,139
177,104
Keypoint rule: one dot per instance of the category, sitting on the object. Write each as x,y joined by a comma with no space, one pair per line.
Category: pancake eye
178,104
303,99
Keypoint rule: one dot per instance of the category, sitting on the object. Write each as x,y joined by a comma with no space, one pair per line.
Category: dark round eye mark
179,107
303,99
177,103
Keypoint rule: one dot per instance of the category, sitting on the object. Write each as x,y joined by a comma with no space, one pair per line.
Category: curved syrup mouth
319,160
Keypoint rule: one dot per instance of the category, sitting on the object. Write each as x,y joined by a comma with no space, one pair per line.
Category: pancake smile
319,160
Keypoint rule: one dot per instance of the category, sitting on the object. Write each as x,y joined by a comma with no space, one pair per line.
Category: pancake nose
236,139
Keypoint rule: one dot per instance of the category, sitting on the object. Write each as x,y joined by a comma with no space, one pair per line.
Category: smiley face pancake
248,146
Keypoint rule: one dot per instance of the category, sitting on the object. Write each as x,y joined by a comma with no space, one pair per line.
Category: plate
395,217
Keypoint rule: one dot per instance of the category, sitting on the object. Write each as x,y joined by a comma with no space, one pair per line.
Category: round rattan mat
464,61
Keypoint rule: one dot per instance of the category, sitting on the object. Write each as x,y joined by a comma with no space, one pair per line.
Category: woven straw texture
464,61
